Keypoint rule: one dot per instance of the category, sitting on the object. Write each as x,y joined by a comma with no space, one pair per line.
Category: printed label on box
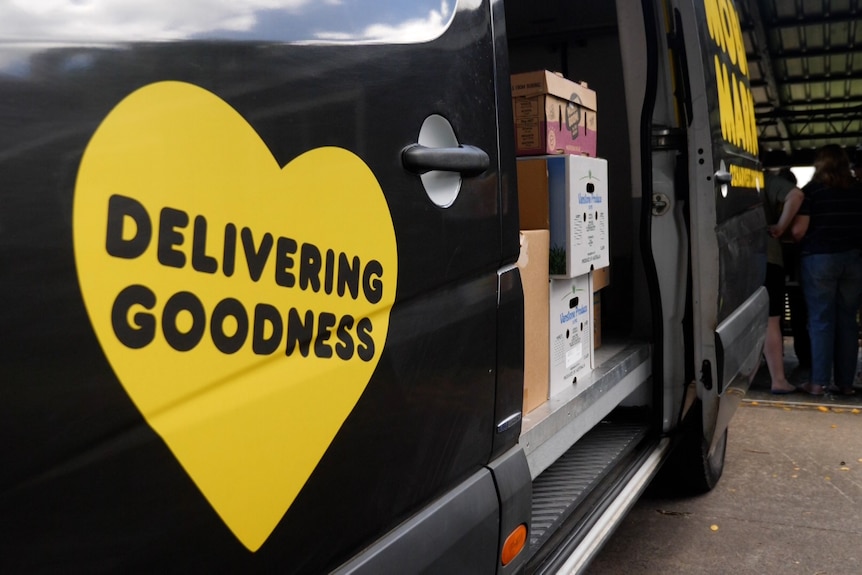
575,354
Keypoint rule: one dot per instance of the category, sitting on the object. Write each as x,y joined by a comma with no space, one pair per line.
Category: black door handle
723,177
466,160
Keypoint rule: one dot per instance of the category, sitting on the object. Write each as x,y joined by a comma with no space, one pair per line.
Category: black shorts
775,289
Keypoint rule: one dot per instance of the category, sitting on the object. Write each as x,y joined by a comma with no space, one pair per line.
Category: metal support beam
832,113
762,109
811,20
814,78
808,137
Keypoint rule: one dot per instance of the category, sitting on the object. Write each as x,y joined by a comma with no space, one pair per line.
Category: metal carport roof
805,66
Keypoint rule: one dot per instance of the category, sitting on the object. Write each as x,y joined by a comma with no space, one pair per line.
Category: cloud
96,21
129,20
412,30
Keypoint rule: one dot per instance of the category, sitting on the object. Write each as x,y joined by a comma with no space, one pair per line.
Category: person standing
795,299
830,235
782,200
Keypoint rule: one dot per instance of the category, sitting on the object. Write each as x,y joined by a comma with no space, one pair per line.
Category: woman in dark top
829,229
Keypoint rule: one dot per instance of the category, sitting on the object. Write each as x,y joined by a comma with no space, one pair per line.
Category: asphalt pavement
789,501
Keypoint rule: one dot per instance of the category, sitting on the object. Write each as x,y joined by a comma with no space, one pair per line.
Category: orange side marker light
514,544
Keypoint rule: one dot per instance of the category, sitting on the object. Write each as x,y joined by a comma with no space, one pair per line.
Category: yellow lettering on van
735,47
745,177
736,109
725,101
728,38
712,20
722,21
748,118
749,124
739,130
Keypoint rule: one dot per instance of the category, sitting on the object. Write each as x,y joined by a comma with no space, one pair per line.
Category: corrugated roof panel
788,39
813,35
782,10
809,53
837,34
789,67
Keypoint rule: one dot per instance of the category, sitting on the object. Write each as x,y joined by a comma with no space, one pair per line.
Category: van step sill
552,428
559,490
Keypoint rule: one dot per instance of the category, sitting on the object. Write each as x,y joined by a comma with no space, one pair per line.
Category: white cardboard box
570,331
569,196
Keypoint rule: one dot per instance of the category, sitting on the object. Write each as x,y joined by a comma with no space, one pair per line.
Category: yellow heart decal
243,306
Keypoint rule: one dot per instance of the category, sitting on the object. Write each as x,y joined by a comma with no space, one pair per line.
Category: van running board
599,459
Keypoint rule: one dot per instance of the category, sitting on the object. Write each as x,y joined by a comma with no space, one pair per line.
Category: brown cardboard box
533,195
553,115
601,278
597,320
533,265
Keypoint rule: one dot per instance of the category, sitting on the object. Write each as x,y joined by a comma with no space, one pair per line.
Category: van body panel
736,336
456,534
79,451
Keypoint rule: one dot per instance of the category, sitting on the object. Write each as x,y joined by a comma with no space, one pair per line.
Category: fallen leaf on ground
674,513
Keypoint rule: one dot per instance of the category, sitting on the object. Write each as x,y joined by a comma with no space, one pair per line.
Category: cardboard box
571,348
601,278
534,201
597,322
533,265
567,195
553,115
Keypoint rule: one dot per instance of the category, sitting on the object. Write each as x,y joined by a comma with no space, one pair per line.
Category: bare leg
773,349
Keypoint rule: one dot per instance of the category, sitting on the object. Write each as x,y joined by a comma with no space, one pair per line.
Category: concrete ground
789,501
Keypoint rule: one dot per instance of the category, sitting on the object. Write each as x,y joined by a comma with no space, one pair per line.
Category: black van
261,307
